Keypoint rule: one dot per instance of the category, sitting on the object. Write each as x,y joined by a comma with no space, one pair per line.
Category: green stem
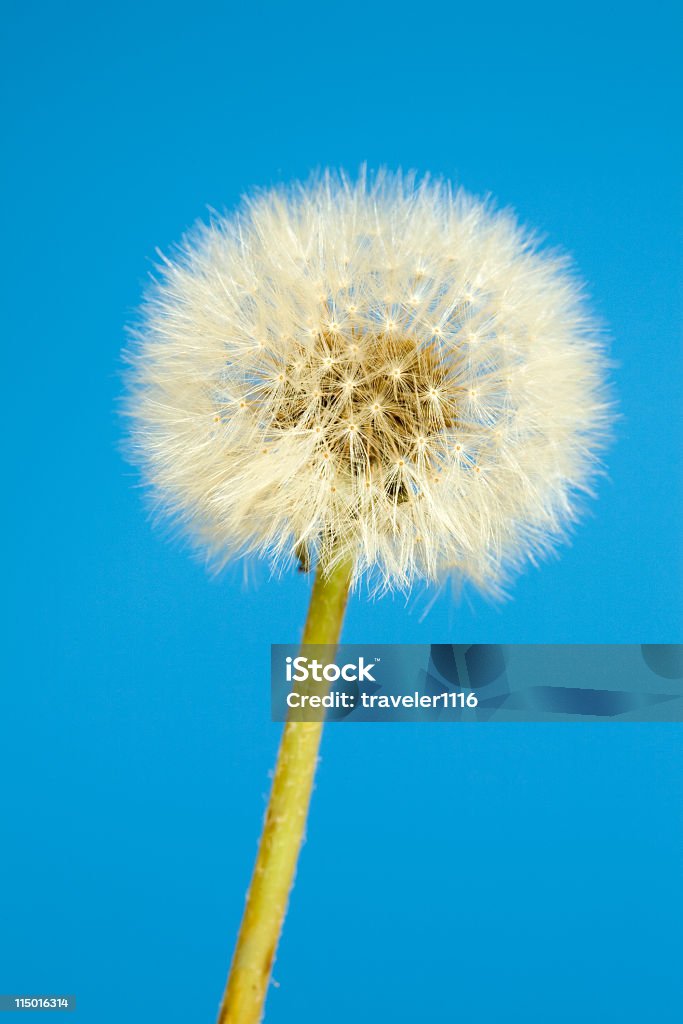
284,824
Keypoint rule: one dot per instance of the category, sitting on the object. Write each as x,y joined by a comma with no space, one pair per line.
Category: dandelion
384,378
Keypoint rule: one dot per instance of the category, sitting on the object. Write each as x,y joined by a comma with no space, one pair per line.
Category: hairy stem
284,824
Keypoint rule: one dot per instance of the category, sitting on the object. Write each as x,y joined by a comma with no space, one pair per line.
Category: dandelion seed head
385,367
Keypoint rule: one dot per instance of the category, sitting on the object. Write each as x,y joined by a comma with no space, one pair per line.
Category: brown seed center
377,401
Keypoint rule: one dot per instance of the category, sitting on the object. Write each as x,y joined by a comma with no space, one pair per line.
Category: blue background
495,873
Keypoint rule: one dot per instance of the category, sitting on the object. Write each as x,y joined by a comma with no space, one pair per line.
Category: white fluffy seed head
384,367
